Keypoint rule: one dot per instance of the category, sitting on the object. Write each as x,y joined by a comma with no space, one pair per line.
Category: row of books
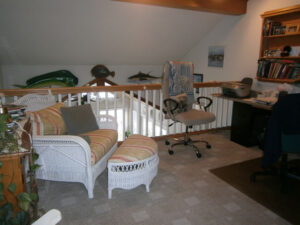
15,112
278,69
273,28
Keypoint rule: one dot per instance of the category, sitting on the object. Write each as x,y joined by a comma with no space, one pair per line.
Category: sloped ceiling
77,32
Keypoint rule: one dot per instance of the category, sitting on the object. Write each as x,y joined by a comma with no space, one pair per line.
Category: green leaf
24,206
24,197
35,167
13,221
33,196
22,218
35,156
24,201
12,187
1,164
1,197
8,211
1,187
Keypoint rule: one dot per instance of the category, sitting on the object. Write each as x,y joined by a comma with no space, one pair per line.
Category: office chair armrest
169,102
205,107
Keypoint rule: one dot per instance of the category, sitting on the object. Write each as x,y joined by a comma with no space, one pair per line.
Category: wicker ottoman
134,163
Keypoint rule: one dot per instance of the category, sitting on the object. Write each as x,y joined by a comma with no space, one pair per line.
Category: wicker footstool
134,163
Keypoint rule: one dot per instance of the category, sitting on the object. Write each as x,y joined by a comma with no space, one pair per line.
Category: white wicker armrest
107,122
61,141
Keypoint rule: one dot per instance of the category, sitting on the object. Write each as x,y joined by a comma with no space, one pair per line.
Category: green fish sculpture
63,78
142,77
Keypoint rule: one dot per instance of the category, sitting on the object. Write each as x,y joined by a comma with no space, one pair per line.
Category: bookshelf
279,57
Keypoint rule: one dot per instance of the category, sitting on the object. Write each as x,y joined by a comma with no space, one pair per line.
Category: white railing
137,108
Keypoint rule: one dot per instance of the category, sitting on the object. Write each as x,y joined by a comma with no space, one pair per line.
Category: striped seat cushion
134,148
48,121
101,142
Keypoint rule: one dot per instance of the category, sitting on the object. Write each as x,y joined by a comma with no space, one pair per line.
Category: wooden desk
249,101
249,120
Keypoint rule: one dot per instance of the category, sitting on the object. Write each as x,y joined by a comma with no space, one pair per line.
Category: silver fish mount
140,76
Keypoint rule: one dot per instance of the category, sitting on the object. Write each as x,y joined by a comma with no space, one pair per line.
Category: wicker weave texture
132,174
34,102
68,157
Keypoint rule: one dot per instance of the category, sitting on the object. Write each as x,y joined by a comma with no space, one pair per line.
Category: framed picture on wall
216,56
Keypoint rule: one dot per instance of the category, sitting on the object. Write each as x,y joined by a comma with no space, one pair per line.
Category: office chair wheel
167,142
208,146
171,152
198,154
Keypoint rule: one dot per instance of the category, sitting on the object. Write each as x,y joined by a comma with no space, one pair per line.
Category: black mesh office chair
282,139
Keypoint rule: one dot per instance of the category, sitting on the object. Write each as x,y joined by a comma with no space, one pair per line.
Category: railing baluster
222,110
217,112
161,112
97,104
79,98
210,109
139,113
175,128
147,111
59,98
131,112
123,114
154,112
88,98
214,106
201,127
230,113
69,99
227,104
115,106
168,128
3,100
106,102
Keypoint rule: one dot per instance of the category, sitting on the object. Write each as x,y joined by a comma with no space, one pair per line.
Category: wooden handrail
74,90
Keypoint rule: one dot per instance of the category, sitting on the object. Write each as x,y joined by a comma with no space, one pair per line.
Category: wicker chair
68,157
34,102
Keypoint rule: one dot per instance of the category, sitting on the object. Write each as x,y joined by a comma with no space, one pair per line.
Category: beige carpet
183,193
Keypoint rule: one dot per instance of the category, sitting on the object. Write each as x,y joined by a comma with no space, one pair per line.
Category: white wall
240,35
18,74
1,78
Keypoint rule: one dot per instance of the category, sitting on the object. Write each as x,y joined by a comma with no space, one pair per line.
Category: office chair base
188,142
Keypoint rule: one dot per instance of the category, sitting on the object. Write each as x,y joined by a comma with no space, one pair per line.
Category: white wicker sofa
70,158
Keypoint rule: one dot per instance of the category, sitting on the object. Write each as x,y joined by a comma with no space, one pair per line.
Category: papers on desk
266,100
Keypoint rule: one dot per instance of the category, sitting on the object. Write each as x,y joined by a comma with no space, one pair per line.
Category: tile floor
183,193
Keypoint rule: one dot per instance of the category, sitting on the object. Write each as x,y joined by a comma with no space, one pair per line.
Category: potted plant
25,211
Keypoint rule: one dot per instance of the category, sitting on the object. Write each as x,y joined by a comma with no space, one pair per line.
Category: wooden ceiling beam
233,7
